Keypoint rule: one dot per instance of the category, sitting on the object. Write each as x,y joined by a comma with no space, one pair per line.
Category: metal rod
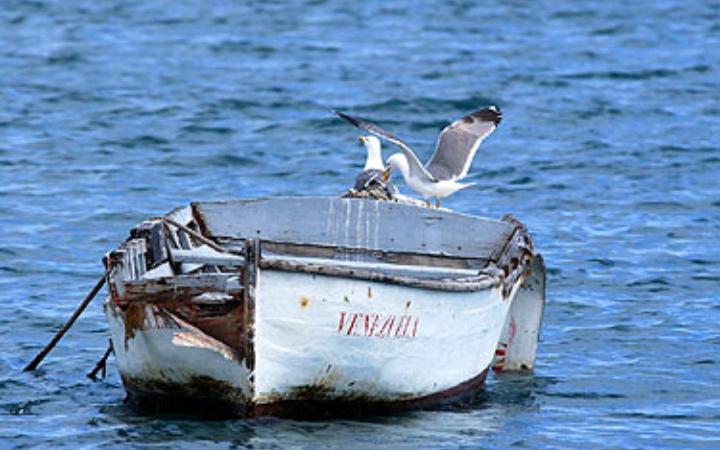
100,366
196,235
43,353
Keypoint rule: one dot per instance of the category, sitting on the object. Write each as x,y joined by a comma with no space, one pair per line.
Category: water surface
116,111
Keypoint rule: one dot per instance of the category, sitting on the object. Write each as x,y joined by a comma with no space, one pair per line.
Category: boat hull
322,345
329,338
164,360
306,306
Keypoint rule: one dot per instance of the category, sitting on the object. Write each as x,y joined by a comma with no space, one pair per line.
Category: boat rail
180,254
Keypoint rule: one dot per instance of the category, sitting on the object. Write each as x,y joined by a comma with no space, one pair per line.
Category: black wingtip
350,119
498,112
489,114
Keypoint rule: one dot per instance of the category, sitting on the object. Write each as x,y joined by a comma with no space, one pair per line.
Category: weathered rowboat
286,306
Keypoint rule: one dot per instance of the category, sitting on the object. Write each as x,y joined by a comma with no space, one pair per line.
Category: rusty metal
517,254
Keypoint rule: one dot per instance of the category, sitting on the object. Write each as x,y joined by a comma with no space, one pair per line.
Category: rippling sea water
111,112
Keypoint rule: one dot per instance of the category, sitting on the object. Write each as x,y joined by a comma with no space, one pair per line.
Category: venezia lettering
378,325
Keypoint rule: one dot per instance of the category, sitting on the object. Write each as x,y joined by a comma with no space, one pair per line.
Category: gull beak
385,176
361,139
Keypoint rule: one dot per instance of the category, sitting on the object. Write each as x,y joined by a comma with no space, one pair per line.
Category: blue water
111,112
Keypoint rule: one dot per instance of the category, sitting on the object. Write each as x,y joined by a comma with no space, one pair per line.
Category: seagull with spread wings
454,152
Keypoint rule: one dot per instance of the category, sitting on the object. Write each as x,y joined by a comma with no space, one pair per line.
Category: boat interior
203,248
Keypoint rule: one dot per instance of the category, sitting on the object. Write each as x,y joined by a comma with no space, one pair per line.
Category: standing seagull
454,152
373,164
370,180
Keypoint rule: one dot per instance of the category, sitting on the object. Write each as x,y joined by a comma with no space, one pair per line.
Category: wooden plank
205,255
399,270
477,283
164,270
200,282
249,281
183,216
361,255
355,224
153,231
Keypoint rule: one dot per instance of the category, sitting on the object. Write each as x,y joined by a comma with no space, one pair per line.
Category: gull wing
413,161
459,141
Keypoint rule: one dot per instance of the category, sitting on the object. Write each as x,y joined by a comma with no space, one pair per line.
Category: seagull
454,152
370,180
373,164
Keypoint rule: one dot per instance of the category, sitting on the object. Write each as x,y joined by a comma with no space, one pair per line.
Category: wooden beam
79,310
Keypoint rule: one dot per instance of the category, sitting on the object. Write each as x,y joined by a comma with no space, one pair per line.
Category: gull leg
427,202
437,202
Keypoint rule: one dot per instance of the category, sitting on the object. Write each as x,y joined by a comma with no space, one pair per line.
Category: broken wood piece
186,285
195,234
101,365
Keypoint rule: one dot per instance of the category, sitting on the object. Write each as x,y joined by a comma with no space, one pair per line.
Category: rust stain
513,330
196,387
370,294
304,301
134,319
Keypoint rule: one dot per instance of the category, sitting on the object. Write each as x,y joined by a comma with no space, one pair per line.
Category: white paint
161,271
359,243
330,224
521,333
347,211
386,268
297,342
303,339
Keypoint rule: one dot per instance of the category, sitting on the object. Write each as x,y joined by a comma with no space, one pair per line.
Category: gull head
374,155
398,162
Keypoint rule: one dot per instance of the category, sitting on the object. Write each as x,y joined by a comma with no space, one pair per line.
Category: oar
43,353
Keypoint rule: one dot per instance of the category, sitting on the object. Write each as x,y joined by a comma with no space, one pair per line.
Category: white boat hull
160,356
329,338
320,339
275,325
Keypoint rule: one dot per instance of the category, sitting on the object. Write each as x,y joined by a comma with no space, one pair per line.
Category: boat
291,306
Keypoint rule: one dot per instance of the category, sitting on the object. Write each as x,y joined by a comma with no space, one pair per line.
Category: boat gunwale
513,260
